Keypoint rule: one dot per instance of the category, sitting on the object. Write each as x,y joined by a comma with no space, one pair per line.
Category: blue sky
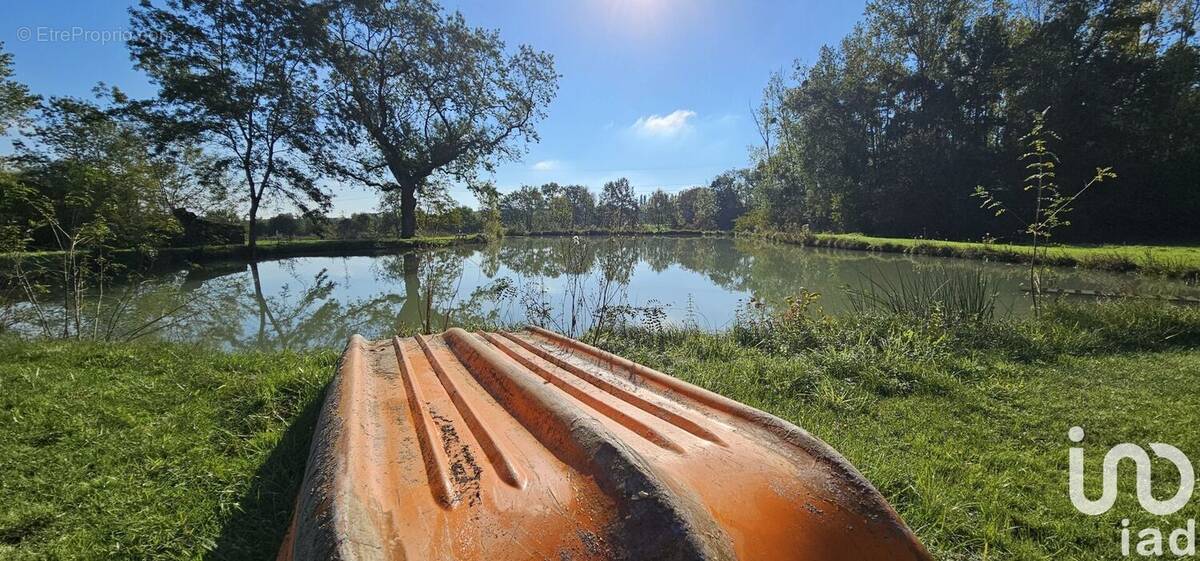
658,91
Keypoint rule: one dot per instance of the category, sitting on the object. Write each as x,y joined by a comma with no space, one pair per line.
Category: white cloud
546,165
664,126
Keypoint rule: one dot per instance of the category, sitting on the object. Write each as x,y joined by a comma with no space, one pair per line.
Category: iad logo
1182,541
1187,478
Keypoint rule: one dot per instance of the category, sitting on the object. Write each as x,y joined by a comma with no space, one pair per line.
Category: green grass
139,452
1162,260
173,452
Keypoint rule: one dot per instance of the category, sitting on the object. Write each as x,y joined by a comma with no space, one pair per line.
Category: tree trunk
408,211
252,237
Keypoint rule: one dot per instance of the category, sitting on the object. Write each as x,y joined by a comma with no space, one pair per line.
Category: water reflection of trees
767,271
418,292
433,289
298,305
561,256
423,291
414,292
243,313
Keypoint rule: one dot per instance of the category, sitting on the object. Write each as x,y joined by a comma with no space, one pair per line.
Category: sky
657,91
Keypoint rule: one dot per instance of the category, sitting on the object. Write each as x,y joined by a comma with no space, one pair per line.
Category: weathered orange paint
531,445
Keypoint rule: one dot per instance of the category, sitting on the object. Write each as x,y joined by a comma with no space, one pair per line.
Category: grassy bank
133,452
267,249
1182,262
297,247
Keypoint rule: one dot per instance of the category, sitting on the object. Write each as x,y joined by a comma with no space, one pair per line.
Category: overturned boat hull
531,445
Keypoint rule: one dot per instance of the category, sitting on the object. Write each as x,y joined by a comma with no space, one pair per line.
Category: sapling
1051,205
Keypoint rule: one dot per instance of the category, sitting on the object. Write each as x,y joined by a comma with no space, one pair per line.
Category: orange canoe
531,445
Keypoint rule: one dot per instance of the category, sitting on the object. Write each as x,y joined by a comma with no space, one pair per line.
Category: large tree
417,93
583,206
618,205
659,209
232,74
730,192
523,206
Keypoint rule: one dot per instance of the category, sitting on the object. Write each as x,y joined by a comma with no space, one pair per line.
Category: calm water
307,302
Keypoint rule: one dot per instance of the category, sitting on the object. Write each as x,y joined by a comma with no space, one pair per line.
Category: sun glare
638,17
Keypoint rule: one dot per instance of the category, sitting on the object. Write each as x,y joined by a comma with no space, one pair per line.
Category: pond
705,282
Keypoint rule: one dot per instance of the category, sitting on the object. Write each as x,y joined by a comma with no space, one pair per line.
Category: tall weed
937,294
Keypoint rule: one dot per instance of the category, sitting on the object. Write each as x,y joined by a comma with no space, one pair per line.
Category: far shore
1170,261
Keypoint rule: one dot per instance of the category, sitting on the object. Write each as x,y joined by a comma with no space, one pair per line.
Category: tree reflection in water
567,284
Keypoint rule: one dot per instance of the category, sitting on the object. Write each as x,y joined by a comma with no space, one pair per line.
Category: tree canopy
15,99
417,93
87,171
232,75
889,131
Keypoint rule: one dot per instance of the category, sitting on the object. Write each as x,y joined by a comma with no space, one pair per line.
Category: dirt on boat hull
531,445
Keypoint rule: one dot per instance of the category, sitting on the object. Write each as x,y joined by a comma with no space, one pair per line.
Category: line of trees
275,101
548,208
457,220
271,103
889,131
86,172
563,208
